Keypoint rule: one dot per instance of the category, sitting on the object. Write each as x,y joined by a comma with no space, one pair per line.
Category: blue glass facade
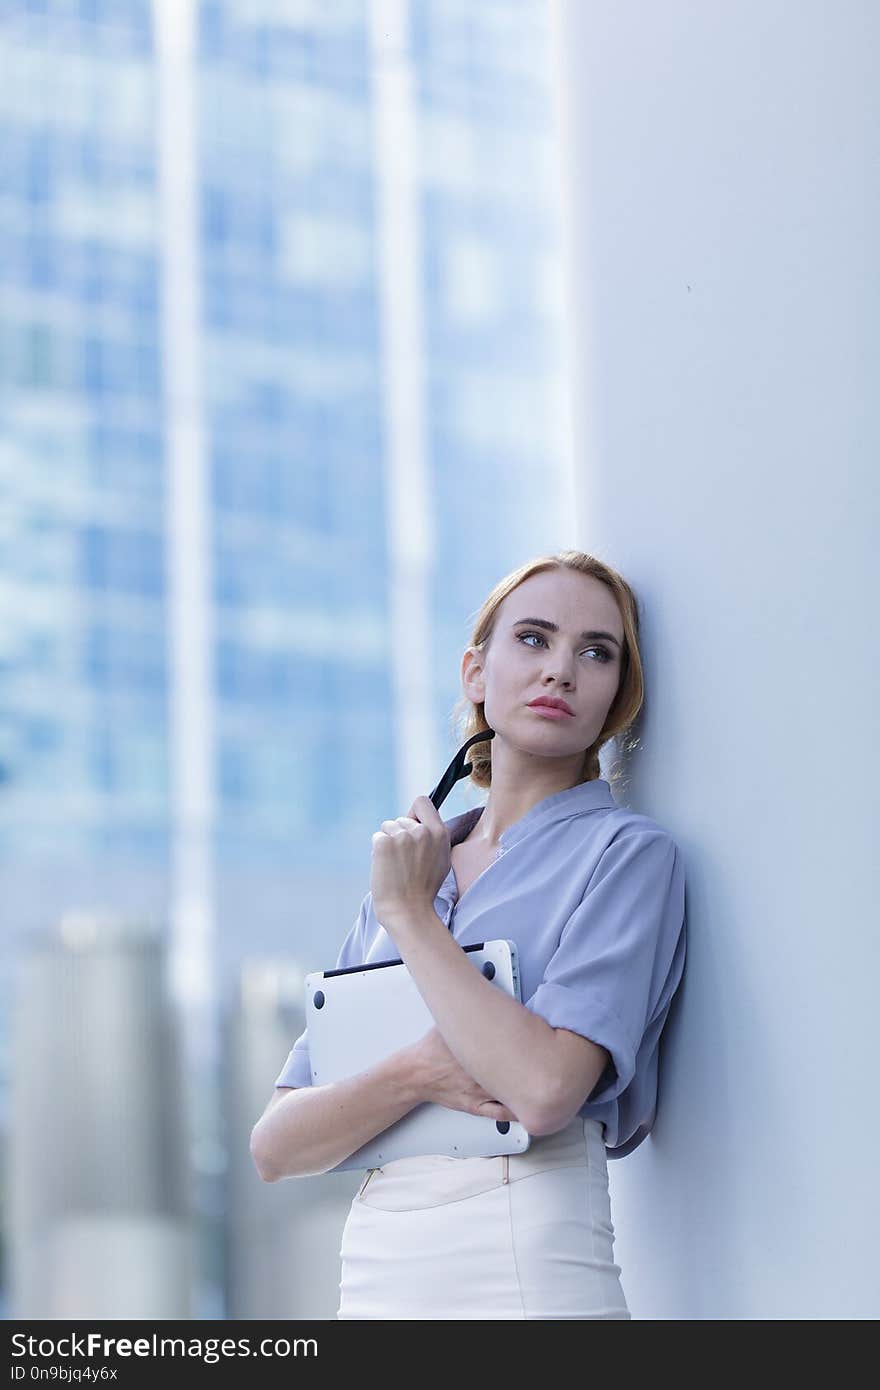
290,407
293,419
83,710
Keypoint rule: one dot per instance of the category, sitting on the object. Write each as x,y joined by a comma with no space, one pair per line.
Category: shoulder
636,850
623,826
618,848
616,825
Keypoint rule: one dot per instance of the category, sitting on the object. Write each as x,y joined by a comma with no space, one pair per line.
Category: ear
472,673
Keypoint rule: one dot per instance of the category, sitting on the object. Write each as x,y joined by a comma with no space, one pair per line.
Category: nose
560,677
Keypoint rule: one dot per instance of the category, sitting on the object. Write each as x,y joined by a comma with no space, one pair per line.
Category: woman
593,895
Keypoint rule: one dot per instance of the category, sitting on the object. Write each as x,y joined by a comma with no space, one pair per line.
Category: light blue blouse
593,894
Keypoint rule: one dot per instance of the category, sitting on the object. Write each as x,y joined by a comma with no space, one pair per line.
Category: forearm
315,1127
506,1048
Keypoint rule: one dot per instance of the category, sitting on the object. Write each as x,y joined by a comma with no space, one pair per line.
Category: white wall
725,219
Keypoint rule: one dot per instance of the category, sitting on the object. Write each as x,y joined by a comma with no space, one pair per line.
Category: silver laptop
360,1015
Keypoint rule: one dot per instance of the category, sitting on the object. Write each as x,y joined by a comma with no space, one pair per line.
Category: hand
411,858
444,1080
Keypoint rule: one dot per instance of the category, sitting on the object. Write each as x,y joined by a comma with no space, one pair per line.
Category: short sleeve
297,1069
620,955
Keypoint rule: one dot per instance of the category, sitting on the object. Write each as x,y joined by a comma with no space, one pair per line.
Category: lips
551,704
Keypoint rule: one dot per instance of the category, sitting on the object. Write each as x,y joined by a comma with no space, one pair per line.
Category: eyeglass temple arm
458,768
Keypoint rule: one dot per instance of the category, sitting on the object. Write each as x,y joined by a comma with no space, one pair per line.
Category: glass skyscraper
280,399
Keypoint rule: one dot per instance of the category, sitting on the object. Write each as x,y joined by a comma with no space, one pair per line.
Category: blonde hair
468,719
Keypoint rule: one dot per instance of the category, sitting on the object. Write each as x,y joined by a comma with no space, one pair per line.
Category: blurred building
281,398
100,1223
283,1238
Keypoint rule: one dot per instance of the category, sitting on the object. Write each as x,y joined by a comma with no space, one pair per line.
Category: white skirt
515,1236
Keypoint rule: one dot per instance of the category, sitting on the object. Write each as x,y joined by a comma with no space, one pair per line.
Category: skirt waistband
426,1180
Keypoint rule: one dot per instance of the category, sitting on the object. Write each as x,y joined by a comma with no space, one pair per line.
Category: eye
605,654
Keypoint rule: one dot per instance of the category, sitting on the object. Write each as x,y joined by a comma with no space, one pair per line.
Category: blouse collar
572,801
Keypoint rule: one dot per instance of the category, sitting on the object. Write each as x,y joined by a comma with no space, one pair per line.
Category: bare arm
307,1130
510,1050
324,1124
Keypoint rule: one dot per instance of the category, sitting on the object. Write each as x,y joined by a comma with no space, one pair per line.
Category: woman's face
525,660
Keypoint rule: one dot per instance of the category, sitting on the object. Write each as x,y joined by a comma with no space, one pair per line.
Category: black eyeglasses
458,768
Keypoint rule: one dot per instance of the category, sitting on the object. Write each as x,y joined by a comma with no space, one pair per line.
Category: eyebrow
554,627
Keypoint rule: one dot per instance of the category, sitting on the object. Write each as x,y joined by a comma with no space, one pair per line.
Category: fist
410,859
